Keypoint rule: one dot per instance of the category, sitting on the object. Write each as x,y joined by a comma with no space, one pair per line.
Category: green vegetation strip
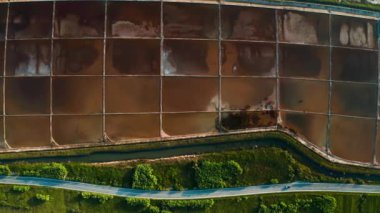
272,138
213,170
41,199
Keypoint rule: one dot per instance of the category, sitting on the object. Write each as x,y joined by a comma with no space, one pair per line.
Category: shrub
74,210
42,197
153,209
54,170
232,170
274,181
21,189
31,173
100,198
143,177
138,202
4,170
325,204
263,209
50,170
101,175
192,204
214,175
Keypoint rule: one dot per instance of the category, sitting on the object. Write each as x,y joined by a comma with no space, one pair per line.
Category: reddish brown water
78,57
304,61
354,32
190,20
27,95
248,23
181,57
354,65
171,69
77,95
132,126
132,94
352,138
189,123
354,99
189,94
296,95
27,20
73,129
79,19
133,57
248,94
28,131
303,27
133,19
248,59
312,127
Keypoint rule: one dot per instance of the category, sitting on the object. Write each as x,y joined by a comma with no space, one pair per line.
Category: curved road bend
192,194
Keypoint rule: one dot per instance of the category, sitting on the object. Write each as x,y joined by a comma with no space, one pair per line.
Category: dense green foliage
274,181
187,204
153,209
47,170
104,175
138,202
178,175
72,201
42,197
143,177
260,166
21,189
215,175
100,198
323,204
54,170
4,170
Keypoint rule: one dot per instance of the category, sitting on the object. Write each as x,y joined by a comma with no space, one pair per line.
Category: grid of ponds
83,72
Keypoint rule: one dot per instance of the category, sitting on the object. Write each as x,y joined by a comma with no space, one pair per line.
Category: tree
4,170
143,177
54,170
326,204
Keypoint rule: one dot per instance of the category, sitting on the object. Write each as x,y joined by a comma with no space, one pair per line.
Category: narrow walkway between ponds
192,194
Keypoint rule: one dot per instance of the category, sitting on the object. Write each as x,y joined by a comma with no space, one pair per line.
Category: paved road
192,194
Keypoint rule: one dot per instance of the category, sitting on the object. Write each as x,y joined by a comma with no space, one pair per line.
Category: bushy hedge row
209,174
51,170
138,202
100,198
189,204
96,174
323,204
215,174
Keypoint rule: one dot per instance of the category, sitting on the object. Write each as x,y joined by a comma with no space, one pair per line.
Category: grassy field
71,201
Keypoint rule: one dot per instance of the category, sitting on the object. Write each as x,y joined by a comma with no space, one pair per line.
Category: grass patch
71,201
216,174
